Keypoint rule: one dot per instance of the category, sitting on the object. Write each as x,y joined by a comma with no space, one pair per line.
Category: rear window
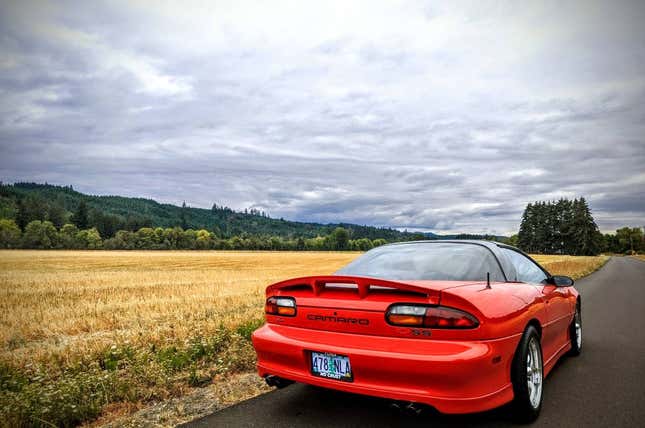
427,261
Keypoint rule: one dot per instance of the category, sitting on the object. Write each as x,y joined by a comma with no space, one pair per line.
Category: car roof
508,269
454,241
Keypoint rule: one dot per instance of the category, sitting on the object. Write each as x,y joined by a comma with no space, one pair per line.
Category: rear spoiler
364,284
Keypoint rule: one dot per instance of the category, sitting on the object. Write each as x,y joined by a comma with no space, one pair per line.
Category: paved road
603,387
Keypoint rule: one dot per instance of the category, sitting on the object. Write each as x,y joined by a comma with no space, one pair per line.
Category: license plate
331,366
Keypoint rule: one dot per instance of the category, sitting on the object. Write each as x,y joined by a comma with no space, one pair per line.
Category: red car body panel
453,370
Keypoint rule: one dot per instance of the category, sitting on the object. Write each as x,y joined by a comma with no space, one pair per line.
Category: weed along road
605,386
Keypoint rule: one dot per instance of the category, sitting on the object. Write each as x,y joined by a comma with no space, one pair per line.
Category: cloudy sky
441,116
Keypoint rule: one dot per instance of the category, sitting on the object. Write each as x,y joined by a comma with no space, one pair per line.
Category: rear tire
575,332
527,377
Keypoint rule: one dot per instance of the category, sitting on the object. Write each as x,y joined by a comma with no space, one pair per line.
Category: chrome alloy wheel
578,325
534,373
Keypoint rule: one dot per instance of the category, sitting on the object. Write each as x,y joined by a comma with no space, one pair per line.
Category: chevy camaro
462,326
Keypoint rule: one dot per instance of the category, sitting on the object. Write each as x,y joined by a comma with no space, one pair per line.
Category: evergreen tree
563,227
525,236
585,231
106,224
182,216
22,218
29,209
56,214
541,236
81,216
553,227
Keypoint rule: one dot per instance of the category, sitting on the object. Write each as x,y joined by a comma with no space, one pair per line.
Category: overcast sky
446,116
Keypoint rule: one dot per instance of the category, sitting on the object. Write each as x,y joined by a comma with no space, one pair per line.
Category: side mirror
560,281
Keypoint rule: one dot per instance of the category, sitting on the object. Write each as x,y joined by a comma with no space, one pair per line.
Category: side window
527,271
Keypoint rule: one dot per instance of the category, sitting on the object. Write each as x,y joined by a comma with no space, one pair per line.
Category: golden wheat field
573,266
71,301
82,330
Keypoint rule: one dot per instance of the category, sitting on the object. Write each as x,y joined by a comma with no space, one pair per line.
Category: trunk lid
353,304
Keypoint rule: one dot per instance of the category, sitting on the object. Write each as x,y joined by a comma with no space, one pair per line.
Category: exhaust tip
277,381
408,408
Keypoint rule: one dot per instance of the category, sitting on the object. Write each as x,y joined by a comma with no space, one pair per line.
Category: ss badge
419,332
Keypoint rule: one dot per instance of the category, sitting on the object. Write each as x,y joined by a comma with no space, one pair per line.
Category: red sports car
462,326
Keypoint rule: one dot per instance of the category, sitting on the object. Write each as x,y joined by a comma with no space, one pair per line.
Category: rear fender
500,311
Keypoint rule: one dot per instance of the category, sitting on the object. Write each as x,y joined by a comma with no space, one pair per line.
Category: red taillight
285,306
429,317
442,317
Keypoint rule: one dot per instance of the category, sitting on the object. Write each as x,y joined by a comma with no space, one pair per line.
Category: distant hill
112,213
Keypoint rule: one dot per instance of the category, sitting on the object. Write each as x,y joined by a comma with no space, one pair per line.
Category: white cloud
446,116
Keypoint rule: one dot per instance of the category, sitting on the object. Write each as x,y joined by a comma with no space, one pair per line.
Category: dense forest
568,227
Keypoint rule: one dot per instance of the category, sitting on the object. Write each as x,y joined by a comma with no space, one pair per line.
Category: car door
555,299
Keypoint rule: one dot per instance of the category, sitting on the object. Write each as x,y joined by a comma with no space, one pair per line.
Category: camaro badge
330,318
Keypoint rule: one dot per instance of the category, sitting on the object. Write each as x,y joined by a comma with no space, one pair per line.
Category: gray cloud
441,117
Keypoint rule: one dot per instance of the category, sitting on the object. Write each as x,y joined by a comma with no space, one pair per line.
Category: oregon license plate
331,366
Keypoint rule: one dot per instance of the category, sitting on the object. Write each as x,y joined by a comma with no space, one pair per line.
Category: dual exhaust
406,407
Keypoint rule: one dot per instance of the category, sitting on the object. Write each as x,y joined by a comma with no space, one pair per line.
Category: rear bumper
452,376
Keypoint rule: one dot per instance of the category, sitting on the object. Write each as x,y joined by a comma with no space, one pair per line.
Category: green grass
77,392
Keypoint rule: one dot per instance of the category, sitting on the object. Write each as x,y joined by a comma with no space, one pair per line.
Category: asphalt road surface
603,387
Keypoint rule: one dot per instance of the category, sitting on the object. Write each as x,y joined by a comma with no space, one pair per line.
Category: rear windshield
427,261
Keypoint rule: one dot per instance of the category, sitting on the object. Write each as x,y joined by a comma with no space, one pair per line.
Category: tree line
44,235
568,227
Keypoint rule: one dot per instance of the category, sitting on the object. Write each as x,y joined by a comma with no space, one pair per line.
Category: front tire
527,377
575,332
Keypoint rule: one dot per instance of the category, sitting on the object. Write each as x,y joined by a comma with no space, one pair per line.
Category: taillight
285,306
406,315
429,317
442,317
